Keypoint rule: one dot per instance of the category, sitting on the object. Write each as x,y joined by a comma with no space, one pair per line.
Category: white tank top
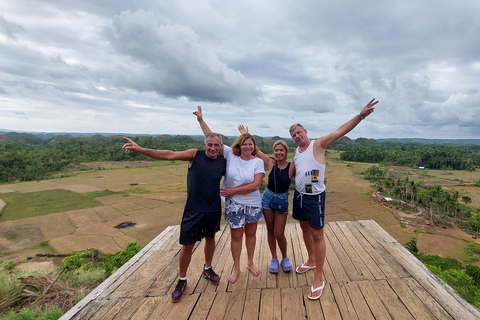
310,173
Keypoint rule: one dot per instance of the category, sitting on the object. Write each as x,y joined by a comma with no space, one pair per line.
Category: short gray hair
213,134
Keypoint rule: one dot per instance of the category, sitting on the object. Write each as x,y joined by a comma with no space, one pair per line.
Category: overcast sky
142,67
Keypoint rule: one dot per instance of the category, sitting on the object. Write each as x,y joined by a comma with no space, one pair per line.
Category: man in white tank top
309,199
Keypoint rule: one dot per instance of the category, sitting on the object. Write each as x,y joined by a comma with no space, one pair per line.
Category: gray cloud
142,66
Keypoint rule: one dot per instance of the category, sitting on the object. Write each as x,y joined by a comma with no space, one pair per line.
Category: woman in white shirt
241,189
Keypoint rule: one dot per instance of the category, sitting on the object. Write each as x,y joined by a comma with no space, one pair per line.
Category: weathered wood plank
434,307
112,313
383,266
390,300
219,306
130,308
292,303
416,306
236,305
398,285
313,308
361,253
270,304
328,302
184,309
335,264
358,301
203,305
106,308
375,304
252,304
377,244
146,308
299,253
345,306
163,308
455,305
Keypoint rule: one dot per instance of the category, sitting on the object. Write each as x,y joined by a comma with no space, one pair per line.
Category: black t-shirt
203,183
281,177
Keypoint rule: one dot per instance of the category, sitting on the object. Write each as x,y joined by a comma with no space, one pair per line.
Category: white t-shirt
241,172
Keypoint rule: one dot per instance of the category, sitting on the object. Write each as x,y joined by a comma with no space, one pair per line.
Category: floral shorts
237,215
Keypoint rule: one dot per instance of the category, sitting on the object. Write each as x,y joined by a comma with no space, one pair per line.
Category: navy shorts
197,225
309,208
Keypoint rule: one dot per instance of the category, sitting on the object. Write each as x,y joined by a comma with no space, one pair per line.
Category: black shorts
197,225
309,208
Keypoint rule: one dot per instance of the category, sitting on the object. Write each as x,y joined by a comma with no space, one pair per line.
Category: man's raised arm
206,130
186,155
348,126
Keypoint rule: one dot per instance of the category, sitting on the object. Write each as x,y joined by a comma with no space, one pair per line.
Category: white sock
184,279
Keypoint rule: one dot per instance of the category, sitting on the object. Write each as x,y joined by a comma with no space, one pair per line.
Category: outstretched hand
368,109
198,113
130,146
242,129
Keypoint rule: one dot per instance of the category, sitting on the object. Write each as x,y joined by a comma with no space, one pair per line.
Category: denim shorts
309,208
238,215
269,195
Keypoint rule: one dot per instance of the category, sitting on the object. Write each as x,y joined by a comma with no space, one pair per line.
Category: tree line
413,154
27,157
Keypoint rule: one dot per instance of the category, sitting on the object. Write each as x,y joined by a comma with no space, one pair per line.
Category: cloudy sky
142,67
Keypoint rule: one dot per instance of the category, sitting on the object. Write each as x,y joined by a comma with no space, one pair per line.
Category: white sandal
314,290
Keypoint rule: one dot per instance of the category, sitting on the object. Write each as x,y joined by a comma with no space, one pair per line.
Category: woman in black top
275,212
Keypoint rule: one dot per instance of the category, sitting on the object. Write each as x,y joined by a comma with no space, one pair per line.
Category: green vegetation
441,205
78,275
414,154
465,280
27,157
32,204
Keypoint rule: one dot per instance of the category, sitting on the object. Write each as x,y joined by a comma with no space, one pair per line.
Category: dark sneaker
211,276
177,294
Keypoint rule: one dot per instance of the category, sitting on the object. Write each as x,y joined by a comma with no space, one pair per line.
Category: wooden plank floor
369,276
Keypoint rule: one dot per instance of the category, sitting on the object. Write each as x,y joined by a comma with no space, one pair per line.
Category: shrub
90,277
471,253
112,262
442,263
461,282
412,246
474,272
10,291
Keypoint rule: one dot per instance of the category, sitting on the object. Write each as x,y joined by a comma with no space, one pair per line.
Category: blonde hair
240,140
293,126
282,143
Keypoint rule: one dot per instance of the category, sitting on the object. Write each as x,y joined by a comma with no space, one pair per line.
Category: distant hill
346,140
438,141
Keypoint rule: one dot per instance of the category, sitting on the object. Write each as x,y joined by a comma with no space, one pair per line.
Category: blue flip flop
274,266
286,265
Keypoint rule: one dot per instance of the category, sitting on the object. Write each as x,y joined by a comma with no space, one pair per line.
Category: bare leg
280,222
320,250
236,236
184,259
209,251
269,216
307,238
250,241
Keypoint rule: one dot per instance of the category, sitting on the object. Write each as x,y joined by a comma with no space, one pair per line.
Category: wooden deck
369,276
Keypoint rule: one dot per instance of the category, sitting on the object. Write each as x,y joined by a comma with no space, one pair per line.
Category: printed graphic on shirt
315,174
308,188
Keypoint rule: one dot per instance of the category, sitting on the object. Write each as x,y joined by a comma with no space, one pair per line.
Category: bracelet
361,117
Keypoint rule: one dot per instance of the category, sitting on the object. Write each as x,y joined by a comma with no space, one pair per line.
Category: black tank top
203,183
281,177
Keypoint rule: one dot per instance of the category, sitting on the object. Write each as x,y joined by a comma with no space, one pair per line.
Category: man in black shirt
203,210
